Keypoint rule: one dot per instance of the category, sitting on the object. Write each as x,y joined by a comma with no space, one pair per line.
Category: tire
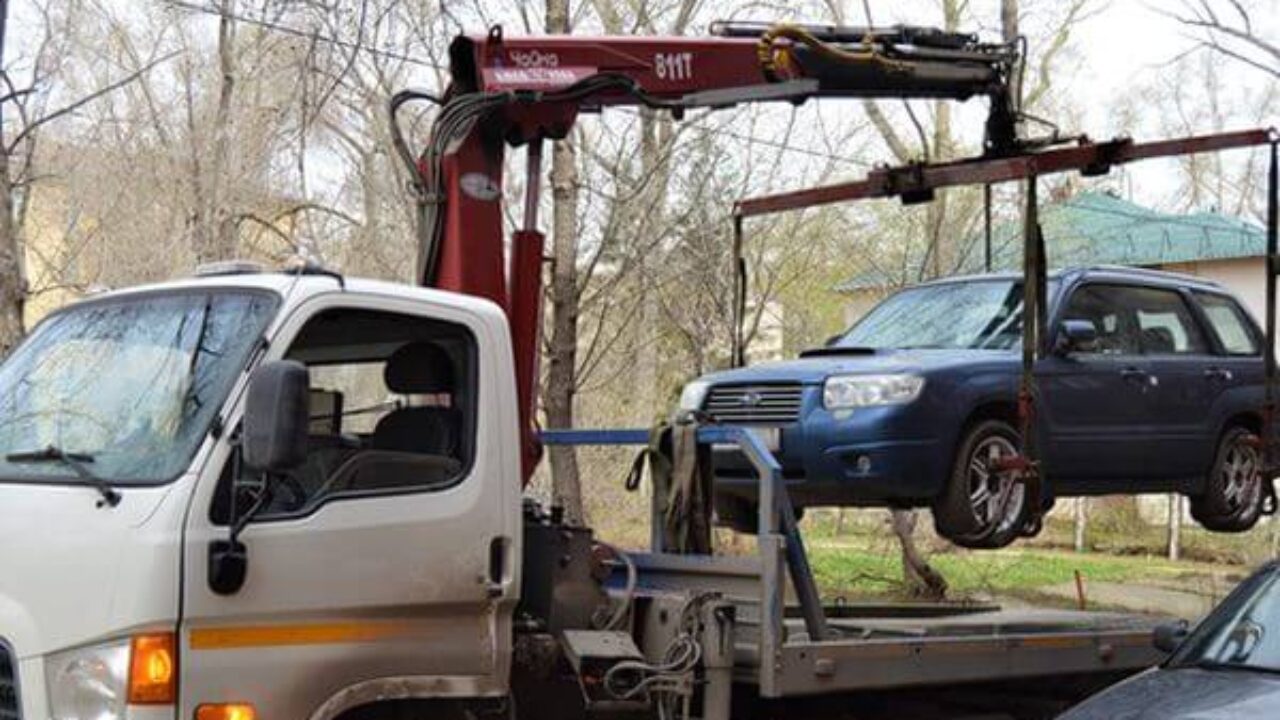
966,512
1233,491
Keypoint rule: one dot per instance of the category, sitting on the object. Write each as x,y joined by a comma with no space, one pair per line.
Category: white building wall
1246,277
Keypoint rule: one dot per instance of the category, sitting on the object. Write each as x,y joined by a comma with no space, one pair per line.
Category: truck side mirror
276,417
1169,636
1076,335
273,440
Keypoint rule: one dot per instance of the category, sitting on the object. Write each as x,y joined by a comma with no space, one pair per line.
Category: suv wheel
983,506
1233,491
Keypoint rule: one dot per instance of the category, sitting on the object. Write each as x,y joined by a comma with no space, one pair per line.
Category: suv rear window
1229,323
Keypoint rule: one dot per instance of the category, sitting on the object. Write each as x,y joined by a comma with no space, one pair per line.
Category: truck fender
414,687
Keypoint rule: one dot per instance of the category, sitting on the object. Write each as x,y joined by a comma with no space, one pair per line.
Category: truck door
1095,397
386,566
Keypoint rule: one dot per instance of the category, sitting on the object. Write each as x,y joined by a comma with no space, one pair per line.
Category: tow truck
294,494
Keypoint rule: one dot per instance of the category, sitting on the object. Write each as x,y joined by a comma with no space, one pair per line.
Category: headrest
1158,340
419,368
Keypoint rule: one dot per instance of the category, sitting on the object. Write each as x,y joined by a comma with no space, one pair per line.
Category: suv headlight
853,391
89,683
693,394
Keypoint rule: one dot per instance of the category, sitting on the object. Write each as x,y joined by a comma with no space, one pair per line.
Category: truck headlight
99,682
89,683
693,394
853,391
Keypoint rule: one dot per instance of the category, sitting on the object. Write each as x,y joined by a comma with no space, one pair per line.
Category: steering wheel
298,493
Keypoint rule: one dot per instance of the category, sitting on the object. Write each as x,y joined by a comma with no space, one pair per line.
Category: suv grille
9,709
746,404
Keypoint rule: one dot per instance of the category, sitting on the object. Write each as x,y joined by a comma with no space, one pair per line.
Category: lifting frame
918,182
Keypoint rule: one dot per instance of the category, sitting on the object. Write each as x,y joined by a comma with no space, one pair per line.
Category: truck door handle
1217,374
498,575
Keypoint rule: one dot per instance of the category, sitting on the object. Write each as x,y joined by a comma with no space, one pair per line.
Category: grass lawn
852,570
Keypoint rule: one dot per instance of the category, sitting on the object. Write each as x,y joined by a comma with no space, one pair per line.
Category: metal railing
781,549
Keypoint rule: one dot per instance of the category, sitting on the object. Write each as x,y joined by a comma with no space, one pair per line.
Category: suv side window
1106,307
392,410
1229,323
1165,322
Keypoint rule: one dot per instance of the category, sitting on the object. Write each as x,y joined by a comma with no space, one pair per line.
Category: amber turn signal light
153,670
228,711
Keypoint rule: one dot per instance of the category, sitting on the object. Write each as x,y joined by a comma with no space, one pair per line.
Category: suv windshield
983,314
1243,634
128,385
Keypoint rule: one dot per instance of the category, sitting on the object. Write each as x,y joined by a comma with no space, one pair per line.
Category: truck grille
9,709
755,404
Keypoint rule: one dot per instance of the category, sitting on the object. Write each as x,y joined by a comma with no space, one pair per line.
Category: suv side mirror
1076,335
1169,636
276,417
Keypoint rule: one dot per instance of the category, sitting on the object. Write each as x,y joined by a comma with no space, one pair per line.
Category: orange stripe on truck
227,638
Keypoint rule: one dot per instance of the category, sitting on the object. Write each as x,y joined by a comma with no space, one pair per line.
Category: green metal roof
1096,228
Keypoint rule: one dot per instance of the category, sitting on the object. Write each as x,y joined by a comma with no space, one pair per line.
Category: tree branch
36,123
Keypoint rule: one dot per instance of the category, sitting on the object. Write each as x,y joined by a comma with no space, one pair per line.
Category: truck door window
1229,323
392,409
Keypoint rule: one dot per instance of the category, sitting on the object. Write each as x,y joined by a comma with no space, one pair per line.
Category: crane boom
519,91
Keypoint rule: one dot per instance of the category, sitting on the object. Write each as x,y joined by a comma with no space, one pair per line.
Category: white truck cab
384,565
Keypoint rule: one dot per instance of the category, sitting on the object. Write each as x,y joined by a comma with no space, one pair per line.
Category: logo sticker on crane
479,186
534,59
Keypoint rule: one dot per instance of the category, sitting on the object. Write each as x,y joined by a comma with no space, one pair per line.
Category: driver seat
420,368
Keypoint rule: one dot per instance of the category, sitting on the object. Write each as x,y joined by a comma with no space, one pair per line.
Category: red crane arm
518,91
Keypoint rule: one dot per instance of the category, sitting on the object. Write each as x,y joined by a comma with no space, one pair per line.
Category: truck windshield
982,314
129,385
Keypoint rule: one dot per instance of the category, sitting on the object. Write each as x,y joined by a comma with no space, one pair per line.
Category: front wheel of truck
983,504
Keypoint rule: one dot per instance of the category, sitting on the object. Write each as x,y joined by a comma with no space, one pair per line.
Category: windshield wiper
74,460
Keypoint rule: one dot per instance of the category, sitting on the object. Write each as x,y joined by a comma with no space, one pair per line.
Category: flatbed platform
885,646
969,647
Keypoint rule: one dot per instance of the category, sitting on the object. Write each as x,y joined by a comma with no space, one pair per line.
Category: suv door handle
1133,373
1139,376
1217,374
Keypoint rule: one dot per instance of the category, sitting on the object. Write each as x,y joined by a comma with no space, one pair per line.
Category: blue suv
1153,382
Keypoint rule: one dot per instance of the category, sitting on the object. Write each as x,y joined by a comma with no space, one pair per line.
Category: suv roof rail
1153,273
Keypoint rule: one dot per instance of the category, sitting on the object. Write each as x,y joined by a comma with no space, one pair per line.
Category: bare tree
29,105
562,352
1227,27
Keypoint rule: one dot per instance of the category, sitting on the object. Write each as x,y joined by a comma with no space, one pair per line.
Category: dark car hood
1185,694
817,368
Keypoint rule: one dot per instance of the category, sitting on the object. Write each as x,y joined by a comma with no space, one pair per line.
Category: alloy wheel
996,496
1241,475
